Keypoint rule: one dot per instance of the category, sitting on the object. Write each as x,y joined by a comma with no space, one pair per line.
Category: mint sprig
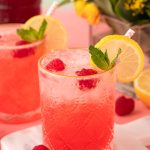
32,35
115,59
101,59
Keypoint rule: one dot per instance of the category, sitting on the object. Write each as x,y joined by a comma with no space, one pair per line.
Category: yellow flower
79,6
136,6
87,10
91,13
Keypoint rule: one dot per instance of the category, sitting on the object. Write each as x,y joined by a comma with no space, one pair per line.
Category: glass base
20,118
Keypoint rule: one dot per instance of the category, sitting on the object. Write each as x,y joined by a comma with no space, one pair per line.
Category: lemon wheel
131,59
142,87
56,36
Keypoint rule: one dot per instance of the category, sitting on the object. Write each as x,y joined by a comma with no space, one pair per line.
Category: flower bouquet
120,15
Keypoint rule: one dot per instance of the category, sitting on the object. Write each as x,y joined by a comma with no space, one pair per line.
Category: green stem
64,2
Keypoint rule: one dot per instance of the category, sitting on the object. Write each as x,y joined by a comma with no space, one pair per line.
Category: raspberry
40,147
22,43
85,72
55,65
23,52
124,106
86,83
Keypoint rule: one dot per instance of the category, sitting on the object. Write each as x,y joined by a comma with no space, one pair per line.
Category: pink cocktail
77,103
19,90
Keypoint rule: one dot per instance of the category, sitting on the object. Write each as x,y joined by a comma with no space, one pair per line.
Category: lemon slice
56,36
131,59
142,87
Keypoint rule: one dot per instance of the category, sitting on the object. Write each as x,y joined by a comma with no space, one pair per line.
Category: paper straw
52,8
130,33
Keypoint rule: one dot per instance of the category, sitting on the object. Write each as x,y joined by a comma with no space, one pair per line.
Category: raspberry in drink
77,102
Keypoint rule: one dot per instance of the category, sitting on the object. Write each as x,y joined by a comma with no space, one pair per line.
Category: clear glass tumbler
77,111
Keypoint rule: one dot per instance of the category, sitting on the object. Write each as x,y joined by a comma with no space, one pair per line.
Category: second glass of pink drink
19,90
77,102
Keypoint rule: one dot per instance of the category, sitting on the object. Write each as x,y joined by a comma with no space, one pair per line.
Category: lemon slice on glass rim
131,59
142,87
56,36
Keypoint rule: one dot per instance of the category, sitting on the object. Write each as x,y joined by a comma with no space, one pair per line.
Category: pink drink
19,90
77,111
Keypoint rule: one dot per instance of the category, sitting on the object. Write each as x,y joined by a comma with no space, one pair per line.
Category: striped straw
52,8
130,33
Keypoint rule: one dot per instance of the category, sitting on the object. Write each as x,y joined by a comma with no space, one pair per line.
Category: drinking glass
77,111
19,86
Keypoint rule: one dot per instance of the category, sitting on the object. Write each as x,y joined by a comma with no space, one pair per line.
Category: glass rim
25,46
50,73
17,47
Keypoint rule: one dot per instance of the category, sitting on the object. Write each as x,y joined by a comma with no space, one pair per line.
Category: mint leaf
32,35
98,57
115,59
26,35
42,29
106,58
101,59
33,32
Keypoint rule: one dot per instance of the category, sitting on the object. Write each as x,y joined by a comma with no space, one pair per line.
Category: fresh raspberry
124,106
87,83
22,52
55,65
85,72
40,147
22,43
